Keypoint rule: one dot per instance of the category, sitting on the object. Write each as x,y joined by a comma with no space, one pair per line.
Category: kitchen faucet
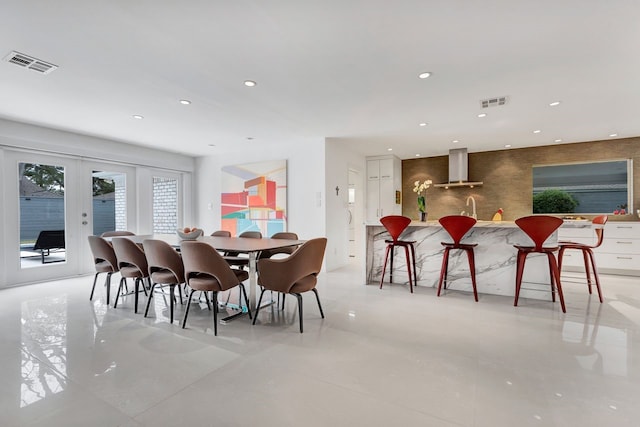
473,207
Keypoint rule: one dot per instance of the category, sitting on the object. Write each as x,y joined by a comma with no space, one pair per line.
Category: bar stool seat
457,226
395,225
539,228
587,252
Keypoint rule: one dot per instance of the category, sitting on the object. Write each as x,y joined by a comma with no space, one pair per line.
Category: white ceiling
326,69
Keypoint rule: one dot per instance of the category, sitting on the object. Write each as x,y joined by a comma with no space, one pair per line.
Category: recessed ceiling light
507,146
417,155
137,116
613,135
389,149
212,145
423,124
537,131
250,138
482,115
455,141
558,140
249,83
185,102
554,103
425,75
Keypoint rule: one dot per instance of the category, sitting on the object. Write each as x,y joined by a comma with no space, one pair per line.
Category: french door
51,204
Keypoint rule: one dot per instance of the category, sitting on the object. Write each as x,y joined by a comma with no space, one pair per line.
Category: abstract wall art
254,197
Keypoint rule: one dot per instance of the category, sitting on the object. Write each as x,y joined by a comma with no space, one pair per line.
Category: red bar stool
539,228
395,225
587,252
457,226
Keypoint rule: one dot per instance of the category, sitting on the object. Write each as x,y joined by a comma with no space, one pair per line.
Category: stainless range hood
458,170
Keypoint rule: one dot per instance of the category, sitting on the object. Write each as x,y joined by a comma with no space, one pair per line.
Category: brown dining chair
117,233
294,275
207,271
234,258
165,268
221,233
132,263
104,260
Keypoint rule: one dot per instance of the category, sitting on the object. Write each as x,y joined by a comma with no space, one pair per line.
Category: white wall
305,181
338,162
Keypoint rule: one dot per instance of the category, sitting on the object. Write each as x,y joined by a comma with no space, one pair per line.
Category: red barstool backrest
395,225
539,228
457,226
598,225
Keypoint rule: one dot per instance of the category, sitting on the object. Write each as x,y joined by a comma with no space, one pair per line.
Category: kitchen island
495,258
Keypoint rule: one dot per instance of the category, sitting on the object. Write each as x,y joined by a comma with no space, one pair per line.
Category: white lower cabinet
618,254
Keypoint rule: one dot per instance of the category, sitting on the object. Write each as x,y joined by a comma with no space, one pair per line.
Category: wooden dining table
251,247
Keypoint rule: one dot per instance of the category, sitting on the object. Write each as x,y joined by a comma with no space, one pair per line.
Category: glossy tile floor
381,357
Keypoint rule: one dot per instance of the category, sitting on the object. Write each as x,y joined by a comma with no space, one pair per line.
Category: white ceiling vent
493,102
30,62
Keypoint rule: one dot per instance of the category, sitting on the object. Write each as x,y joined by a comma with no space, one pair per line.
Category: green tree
554,201
103,186
47,177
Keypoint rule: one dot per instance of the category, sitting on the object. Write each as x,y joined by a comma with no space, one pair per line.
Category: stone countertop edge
493,224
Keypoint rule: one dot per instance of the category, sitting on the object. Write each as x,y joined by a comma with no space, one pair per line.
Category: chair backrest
598,225
201,258
117,233
457,226
161,256
251,235
103,251
130,254
280,275
221,233
539,227
395,224
288,250
50,239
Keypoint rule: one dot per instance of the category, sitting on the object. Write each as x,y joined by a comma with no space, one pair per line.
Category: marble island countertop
490,224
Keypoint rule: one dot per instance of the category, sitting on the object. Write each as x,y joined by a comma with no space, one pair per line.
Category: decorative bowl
192,235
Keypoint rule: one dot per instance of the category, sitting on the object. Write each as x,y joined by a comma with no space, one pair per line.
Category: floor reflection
44,348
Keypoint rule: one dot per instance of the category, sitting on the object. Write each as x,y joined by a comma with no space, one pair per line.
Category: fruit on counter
189,230
498,215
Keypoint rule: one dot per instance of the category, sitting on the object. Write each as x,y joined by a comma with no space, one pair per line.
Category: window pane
42,214
165,205
109,202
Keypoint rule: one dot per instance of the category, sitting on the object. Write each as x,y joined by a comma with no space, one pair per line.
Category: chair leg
521,258
108,282
586,269
146,311
443,270
595,275
393,249
556,273
214,300
384,266
172,296
206,298
115,303
180,294
315,291
243,291
552,279
406,255
472,271
299,298
560,258
137,282
93,288
186,311
258,307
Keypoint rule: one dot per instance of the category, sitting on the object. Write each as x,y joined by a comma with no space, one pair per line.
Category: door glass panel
42,214
109,201
165,205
